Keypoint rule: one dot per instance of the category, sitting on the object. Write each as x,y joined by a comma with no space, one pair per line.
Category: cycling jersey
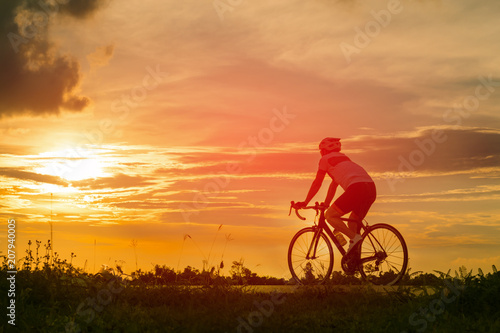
342,170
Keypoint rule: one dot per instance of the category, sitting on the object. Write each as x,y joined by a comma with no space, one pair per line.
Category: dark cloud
26,175
82,8
118,181
35,78
445,151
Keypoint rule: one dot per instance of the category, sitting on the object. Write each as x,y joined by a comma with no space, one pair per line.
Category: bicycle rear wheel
383,255
315,268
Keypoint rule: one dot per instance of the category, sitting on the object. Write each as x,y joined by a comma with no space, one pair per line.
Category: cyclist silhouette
359,189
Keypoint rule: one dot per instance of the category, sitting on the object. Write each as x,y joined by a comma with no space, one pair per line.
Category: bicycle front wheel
310,256
383,255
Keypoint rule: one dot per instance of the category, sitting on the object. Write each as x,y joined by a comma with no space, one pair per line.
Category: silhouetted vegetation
54,296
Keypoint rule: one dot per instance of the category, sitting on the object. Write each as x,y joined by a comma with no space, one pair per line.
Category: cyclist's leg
366,196
344,204
354,226
332,216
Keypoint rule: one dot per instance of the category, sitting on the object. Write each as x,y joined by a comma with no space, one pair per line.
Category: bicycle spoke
388,248
391,263
383,255
317,267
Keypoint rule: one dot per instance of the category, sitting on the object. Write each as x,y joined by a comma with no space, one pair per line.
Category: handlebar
317,207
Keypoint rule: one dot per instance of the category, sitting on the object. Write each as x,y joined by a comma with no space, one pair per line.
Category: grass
59,298
50,304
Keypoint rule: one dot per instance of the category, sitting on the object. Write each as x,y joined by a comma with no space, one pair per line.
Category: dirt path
340,288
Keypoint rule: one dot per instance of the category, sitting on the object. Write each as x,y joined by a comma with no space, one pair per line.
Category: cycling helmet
330,144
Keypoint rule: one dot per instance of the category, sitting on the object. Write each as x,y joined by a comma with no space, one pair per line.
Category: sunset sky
151,120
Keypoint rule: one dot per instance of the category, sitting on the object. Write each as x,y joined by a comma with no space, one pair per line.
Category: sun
86,169
72,168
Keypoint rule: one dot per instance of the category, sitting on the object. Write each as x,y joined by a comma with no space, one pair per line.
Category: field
59,298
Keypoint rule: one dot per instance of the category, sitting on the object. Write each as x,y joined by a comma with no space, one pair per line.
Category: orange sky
150,120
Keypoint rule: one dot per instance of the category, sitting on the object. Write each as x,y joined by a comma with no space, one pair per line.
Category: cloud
8,149
455,149
118,181
479,193
245,161
82,8
101,56
36,79
26,175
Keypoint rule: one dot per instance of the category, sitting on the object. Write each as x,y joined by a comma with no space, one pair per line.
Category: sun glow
73,168
51,188
88,168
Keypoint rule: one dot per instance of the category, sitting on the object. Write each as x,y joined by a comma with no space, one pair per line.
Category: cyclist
359,189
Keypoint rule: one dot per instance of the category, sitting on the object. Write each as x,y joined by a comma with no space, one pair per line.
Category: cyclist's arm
315,186
331,193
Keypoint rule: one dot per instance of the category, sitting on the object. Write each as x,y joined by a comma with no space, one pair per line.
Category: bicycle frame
322,225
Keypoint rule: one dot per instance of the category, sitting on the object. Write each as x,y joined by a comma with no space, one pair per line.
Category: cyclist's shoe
353,242
349,265
351,268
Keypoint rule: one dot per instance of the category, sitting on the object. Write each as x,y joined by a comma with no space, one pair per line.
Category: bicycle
381,257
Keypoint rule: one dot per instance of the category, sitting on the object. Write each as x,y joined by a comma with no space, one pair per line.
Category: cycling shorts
357,198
